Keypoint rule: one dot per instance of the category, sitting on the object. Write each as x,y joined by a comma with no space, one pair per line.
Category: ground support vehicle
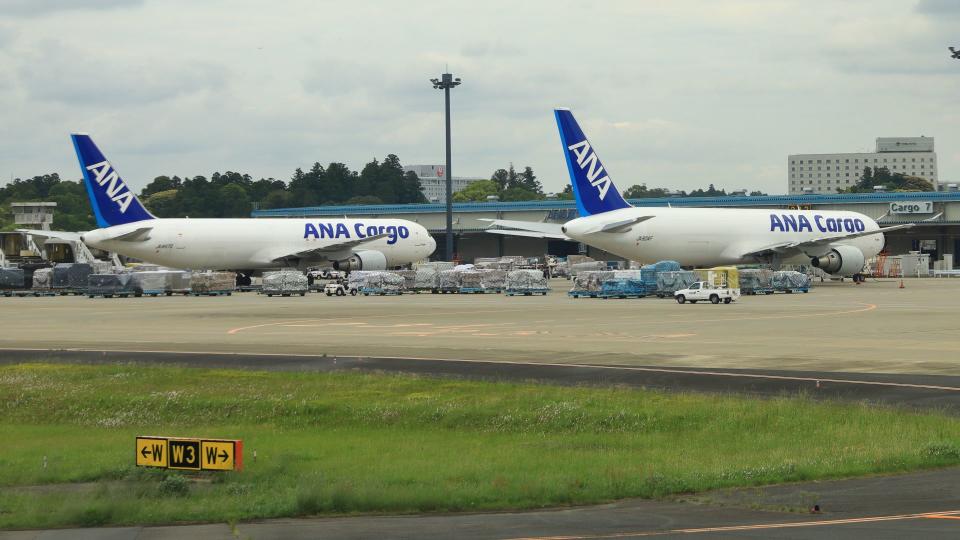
704,290
338,289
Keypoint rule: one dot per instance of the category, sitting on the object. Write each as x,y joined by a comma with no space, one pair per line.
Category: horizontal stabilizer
138,235
618,226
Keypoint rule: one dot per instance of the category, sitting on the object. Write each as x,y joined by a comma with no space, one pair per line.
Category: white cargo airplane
835,241
127,228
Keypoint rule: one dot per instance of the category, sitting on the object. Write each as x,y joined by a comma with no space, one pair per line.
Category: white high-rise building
825,173
433,183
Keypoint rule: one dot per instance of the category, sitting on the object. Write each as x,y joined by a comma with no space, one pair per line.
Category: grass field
350,443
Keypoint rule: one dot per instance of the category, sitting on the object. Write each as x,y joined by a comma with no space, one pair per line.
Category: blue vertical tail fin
112,200
592,187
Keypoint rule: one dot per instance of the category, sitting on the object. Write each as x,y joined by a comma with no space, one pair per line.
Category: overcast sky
676,94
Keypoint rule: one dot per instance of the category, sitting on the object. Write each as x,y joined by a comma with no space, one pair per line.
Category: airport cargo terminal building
937,215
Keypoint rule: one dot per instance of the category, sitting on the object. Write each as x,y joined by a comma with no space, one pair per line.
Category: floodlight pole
446,82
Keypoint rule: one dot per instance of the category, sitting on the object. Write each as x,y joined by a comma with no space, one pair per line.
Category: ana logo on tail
116,190
587,160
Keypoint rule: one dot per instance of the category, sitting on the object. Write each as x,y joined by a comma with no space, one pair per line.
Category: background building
825,173
433,183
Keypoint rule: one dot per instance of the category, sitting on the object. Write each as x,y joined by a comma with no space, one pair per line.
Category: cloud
34,8
75,76
949,8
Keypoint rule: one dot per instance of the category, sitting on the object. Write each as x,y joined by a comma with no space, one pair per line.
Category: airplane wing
787,247
319,252
530,234
538,226
55,235
531,229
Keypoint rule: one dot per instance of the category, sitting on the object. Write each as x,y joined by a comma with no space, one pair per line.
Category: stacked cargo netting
43,280
789,281
284,283
12,279
381,283
589,283
110,285
471,281
157,282
481,280
756,281
623,287
493,279
526,282
409,279
449,281
426,278
212,283
356,278
70,278
670,282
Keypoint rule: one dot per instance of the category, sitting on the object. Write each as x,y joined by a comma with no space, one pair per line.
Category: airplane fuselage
250,244
720,236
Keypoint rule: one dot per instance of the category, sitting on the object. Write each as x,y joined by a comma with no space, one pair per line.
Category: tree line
229,194
881,176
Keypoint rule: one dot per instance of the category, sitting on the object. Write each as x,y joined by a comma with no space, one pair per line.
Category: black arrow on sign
144,452
224,456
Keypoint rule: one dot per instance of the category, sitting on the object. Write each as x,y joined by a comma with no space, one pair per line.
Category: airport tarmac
837,327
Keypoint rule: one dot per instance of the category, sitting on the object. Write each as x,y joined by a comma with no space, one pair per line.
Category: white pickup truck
704,290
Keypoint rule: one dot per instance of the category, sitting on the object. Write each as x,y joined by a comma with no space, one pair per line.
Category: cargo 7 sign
912,207
189,454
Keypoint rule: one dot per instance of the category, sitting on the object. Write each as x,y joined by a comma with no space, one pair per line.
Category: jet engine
362,260
841,260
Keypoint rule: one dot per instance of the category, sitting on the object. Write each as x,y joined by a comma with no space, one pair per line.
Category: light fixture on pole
445,83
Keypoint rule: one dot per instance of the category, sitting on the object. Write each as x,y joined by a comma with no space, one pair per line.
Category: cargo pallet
607,296
70,292
164,292
793,290
282,293
527,292
479,290
379,292
26,292
126,294
755,292
249,288
212,293
585,294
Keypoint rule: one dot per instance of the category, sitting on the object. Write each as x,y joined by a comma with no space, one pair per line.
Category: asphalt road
922,505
